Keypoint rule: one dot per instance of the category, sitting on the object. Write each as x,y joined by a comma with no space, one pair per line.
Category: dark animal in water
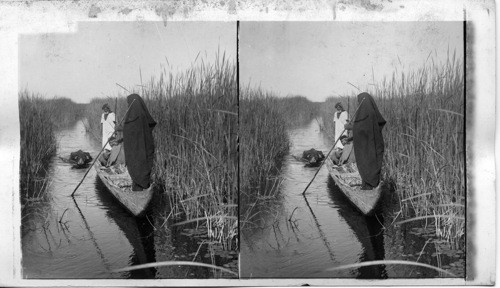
313,157
80,159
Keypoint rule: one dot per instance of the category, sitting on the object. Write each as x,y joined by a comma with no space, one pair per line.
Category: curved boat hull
136,202
364,200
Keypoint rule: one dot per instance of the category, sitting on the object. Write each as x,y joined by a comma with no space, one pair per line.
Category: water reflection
129,225
90,235
368,231
303,236
297,237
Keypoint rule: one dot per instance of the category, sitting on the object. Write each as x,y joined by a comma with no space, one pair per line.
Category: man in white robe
340,118
107,125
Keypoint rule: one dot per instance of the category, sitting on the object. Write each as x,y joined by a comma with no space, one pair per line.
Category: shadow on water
297,237
304,236
90,235
188,242
383,240
368,231
138,232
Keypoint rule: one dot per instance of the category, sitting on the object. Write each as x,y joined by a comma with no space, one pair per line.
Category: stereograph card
248,143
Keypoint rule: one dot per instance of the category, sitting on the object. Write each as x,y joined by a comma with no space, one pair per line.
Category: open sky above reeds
88,63
317,59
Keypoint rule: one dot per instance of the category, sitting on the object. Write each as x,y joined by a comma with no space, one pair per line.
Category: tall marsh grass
263,144
297,110
65,111
196,148
38,144
264,141
424,140
39,118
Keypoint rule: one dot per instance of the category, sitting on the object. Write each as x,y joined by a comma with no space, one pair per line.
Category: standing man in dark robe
138,142
368,141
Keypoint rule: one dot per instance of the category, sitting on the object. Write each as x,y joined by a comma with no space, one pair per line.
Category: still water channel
304,236
90,235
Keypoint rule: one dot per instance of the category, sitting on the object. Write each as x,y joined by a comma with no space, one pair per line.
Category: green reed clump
38,143
263,144
424,143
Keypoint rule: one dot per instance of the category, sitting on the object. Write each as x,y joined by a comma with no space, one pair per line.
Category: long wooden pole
122,87
332,148
97,157
347,83
116,108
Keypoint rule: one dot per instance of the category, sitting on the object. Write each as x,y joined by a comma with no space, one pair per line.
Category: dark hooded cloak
368,140
138,142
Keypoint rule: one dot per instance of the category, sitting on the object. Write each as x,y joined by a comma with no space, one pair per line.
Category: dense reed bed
39,118
66,112
38,144
425,148
264,141
196,157
297,110
263,144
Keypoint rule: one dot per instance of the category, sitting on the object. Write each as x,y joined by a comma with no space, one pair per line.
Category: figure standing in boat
368,140
138,142
340,119
108,122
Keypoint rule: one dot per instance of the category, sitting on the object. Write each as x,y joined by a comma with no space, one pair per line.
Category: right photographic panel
352,150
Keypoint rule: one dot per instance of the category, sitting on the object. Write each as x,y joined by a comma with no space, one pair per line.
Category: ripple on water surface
302,237
90,235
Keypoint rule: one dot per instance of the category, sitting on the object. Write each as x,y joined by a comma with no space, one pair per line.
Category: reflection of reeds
424,139
195,143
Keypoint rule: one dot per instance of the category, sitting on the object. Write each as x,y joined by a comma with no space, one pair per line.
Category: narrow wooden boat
350,184
135,202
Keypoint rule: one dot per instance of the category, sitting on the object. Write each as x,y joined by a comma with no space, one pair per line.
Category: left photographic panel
129,151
